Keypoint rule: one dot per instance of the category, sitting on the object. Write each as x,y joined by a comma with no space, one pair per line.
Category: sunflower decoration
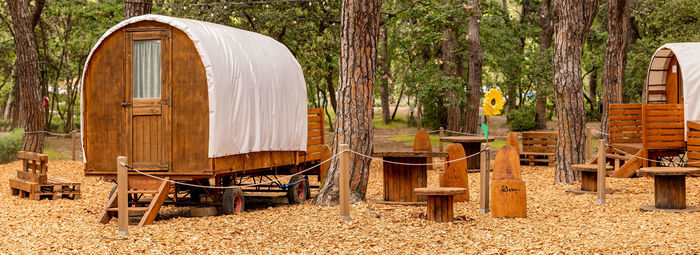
493,102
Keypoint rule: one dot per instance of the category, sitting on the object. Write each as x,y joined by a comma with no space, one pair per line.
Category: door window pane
146,69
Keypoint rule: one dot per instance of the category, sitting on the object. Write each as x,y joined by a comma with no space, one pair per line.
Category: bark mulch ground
558,222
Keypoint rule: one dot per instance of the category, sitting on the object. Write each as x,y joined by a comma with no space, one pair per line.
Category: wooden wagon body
167,135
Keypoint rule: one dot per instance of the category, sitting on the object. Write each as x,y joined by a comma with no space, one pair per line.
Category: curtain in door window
146,69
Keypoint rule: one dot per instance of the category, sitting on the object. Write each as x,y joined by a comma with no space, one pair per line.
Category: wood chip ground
558,222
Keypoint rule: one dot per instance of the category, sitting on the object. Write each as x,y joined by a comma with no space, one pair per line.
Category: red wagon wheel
298,192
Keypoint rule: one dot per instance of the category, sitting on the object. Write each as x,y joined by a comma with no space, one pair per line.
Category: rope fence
297,173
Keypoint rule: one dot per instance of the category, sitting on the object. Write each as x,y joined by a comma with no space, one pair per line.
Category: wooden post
344,182
122,196
440,139
601,172
485,182
588,143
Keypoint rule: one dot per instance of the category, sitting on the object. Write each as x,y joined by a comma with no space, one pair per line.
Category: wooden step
617,156
131,209
143,191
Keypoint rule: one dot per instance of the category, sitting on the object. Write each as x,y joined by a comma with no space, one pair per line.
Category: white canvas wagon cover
688,56
257,92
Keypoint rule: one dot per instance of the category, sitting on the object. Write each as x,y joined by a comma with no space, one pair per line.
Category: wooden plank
625,123
32,177
695,125
32,156
665,145
625,106
155,204
637,128
664,125
624,117
539,142
314,126
315,118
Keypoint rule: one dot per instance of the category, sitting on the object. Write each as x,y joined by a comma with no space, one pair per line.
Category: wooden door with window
148,102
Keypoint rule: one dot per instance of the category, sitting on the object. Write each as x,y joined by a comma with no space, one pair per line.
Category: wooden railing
625,122
316,135
693,148
663,126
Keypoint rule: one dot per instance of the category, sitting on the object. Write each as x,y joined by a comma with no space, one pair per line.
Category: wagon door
148,101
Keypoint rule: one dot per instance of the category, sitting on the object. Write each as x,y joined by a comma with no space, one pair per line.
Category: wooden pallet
54,188
538,148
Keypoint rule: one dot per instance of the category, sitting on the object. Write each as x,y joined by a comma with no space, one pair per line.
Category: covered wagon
663,126
190,101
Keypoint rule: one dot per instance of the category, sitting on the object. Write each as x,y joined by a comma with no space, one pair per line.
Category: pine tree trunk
30,102
573,19
451,68
471,116
358,53
329,83
133,8
615,57
385,74
545,44
593,90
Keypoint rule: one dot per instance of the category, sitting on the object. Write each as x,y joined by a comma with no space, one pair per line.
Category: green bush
10,144
522,119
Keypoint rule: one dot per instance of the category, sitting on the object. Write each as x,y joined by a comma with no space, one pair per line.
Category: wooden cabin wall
190,107
105,90
103,115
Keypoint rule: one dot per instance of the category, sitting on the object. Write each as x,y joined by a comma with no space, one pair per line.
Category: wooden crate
54,188
539,148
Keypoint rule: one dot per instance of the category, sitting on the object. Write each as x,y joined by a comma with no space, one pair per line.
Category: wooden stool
440,201
589,178
669,188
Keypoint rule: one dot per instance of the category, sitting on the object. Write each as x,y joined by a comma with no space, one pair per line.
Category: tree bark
471,116
358,53
615,57
545,44
133,8
592,90
30,112
572,21
451,68
385,74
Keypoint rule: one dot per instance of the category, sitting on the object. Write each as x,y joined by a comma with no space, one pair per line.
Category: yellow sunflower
493,102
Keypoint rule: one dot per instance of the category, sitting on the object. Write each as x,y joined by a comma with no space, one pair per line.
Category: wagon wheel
299,191
232,201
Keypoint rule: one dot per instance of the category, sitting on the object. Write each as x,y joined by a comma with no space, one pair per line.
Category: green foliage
10,144
522,119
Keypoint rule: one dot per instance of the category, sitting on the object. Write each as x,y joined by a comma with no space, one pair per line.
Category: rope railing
297,173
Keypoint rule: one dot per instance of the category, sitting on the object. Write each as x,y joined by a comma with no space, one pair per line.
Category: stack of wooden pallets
33,183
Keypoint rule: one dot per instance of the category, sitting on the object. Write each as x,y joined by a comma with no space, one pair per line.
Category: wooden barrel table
589,178
440,202
669,188
403,172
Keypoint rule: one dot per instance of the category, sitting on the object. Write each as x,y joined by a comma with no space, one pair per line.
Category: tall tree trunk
30,112
133,8
329,84
471,116
451,68
572,21
593,90
545,44
385,74
615,57
358,53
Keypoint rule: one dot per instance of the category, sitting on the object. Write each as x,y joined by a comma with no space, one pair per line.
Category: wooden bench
538,147
32,181
440,202
669,188
589,178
